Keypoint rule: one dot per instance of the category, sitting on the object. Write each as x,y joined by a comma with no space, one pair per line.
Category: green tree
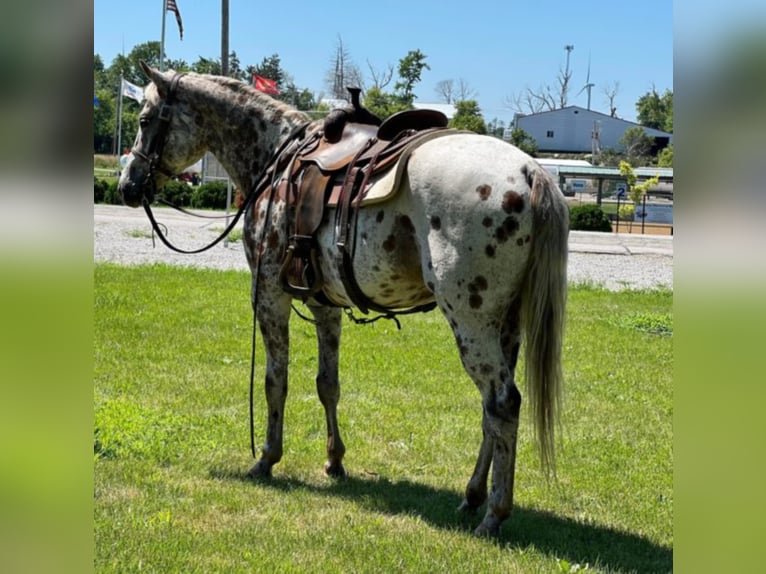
637,144
410,69
468,117
665,158
636,191
270,67
496,127
383,104
655,110
524,141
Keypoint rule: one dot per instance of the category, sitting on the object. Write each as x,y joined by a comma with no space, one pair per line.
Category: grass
171,448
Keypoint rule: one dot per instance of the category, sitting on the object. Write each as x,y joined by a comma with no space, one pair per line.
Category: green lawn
171,442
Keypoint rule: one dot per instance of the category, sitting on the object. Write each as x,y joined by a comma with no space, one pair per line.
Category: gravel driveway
123,235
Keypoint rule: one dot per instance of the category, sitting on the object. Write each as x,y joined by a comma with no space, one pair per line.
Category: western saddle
332,168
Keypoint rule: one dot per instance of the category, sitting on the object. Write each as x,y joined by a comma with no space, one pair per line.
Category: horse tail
543,306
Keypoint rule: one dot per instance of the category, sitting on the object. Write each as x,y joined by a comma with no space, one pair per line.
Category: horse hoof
334,470
489,528
466,508
260,470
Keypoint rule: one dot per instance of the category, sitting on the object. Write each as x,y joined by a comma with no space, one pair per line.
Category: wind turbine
588,85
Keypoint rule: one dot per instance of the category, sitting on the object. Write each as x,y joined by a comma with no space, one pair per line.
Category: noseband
153,155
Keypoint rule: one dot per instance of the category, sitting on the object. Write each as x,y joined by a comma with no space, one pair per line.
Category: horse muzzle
136,184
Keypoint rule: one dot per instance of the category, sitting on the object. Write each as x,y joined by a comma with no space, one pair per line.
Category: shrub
99,189
111,195
177,192
588,217
211,195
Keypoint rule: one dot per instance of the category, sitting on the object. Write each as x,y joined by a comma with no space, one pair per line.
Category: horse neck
243,128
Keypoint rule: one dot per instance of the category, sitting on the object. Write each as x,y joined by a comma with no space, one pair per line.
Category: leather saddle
333,169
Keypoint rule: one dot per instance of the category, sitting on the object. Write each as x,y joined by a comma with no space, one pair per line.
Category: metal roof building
576,130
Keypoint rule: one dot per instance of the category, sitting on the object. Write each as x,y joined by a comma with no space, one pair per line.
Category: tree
381,79
450,91
665,159
468,117
611,91
496,128
524,141
636,191
270,67
343,73
383,104
410,69
545,97
655,110
637,144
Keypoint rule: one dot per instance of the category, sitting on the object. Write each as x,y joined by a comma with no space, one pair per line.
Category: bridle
153,157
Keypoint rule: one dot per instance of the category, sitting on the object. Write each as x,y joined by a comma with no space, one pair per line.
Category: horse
476,227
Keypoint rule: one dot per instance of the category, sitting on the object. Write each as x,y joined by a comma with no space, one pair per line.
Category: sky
499,48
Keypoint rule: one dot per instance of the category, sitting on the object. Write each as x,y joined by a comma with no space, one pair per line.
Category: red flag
171,6
265,85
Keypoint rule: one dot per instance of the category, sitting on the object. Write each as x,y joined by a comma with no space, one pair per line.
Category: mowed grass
171,441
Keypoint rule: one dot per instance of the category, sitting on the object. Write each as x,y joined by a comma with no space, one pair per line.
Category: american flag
171,6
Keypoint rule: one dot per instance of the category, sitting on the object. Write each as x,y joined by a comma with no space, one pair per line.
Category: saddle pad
387,186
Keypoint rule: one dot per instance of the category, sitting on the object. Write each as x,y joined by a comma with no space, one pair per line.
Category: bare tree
342,72
445,89
610,91
381,79
532,101
464,91
544,98
451,91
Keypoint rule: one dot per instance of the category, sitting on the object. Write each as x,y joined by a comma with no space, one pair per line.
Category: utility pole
224,37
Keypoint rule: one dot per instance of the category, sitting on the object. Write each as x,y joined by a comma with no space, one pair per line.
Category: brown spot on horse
484,192
513,202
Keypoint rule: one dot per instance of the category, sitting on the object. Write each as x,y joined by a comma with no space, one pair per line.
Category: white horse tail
543,306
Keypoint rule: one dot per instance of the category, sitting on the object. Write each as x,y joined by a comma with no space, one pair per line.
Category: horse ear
155,76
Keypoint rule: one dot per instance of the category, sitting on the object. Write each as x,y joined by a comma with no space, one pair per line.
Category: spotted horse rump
476,227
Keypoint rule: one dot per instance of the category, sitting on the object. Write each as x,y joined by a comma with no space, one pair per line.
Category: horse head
167,140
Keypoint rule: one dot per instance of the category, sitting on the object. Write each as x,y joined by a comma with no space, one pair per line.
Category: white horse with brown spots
476,226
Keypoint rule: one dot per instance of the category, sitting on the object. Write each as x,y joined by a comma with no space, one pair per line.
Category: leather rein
153,156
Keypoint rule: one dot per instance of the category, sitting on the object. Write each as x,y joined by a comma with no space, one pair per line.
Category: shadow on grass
557,536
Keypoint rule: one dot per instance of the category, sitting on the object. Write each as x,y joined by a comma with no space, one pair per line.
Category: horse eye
143,122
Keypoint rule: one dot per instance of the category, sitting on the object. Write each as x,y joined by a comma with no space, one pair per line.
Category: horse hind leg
489,358
476,491
328,329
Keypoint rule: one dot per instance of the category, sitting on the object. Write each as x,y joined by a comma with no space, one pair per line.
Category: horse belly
387,260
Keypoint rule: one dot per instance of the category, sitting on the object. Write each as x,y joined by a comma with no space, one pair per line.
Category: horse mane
244,94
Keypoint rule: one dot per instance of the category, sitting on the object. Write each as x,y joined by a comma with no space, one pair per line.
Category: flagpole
162,40
119,119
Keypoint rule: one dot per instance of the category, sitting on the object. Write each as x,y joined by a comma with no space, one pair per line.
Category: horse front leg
273,314
328,328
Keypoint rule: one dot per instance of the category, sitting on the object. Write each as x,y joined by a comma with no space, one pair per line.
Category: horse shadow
557,536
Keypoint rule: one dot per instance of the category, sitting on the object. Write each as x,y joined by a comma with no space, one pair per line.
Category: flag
265,85
171,6
132,91
95,101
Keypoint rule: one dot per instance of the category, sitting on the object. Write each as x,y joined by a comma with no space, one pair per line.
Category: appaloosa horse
476,226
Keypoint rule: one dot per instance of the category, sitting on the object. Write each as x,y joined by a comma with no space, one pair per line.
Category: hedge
210,195
589,217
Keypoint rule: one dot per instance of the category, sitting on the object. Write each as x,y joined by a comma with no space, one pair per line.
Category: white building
575,130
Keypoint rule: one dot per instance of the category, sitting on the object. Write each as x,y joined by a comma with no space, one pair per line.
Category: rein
154,157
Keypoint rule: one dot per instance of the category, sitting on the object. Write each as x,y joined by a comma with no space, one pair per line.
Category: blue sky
499,48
